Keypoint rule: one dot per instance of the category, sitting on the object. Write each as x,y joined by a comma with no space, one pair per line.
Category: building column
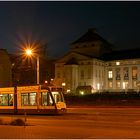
121,76
114,78
106,78
130,78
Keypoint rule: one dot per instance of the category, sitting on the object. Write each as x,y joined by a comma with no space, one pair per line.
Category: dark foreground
81,123
104,99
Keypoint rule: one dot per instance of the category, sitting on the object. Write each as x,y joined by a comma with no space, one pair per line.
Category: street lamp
29,52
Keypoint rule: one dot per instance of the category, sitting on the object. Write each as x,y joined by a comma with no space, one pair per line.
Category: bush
18,122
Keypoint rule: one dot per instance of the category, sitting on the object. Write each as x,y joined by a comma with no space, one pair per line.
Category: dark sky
59,23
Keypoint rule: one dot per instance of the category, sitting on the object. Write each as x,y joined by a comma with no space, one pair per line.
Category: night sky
60,23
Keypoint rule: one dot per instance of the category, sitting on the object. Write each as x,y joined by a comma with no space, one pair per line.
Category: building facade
92,66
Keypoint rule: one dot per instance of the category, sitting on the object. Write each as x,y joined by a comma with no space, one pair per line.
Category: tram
35,99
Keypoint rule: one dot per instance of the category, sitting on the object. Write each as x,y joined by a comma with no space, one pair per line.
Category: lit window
110,74
134,72
134,84
98,86
110,84
117,63
46,99
125,85
118,84
6,99
28,99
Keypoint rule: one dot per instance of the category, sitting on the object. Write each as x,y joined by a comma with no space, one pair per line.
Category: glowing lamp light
68,90
117,63
82,92
29,52
63,84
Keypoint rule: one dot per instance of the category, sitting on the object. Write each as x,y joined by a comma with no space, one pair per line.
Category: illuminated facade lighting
117,63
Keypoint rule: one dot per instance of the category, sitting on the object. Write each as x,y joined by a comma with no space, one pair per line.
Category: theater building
91,65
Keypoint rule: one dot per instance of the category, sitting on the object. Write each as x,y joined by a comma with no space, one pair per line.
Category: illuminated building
91,65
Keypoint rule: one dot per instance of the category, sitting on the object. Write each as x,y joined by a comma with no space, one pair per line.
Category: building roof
90,36
121,54
72,61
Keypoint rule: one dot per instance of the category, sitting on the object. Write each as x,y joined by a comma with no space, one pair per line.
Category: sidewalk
31,131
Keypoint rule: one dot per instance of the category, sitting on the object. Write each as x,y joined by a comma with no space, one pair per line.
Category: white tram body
31,100
7,100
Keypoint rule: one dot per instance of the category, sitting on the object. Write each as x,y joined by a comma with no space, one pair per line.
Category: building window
134,84
82,74
89,73
134,73
118,74
125,85
118,84
89,63
126,77
110,75
110,85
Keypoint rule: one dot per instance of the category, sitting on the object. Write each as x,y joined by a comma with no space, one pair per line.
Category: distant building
24,71
5,69
92,66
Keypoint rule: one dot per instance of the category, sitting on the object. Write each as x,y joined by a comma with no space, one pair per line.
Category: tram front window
57,97
46,99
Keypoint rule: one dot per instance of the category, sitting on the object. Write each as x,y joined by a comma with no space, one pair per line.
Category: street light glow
29,52
63,84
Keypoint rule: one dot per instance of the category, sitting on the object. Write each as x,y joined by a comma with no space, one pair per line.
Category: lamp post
37,69
29,52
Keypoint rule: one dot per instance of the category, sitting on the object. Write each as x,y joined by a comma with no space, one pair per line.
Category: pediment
72,55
